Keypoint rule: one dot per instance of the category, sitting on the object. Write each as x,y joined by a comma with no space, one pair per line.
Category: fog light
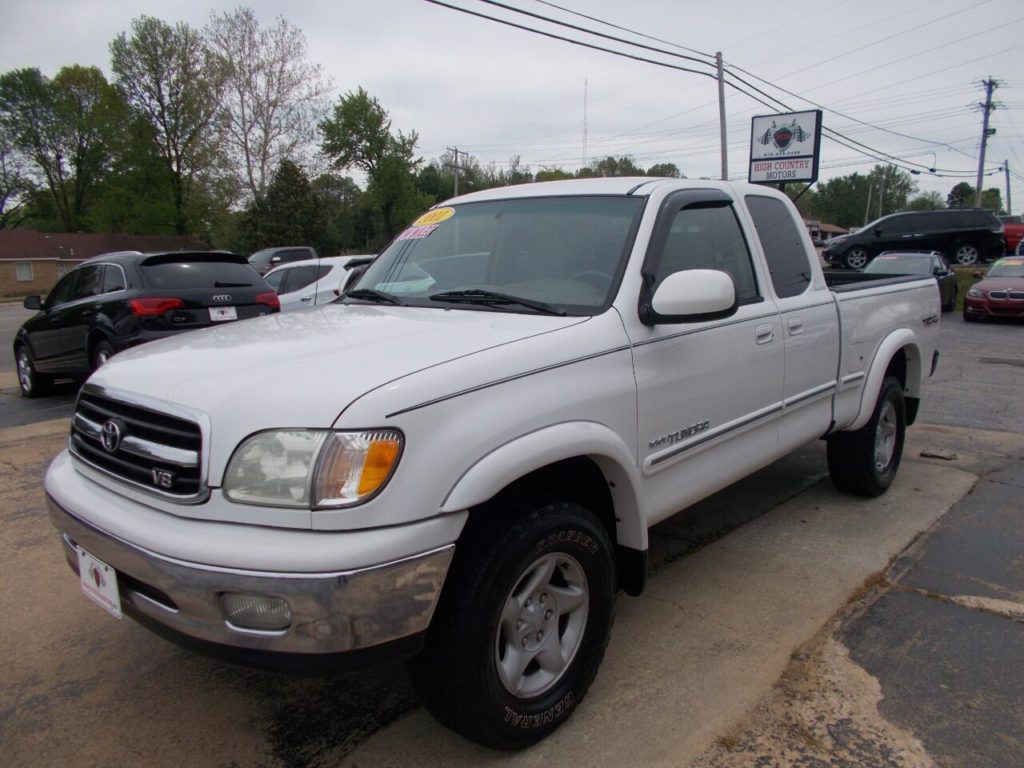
255,612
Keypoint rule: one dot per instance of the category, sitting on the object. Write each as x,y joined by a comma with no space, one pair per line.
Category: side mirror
692,295
33,302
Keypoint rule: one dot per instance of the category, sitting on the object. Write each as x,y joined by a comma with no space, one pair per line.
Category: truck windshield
559,255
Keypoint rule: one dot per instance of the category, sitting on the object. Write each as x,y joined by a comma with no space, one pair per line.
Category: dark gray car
918,263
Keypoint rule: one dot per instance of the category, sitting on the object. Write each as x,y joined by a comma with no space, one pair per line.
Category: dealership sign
785,147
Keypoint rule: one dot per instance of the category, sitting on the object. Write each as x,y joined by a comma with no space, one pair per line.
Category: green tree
14,184
611,166
552,174
339,200
289,214
665,169
359,135
992,200
173,79
928,201
960,196
65,128
273,97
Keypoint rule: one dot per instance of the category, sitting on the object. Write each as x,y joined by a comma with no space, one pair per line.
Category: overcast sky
911,67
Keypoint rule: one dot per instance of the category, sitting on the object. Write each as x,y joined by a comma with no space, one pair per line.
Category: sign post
785,147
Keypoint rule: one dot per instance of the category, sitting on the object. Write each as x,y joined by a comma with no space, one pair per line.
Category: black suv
964,235
117,300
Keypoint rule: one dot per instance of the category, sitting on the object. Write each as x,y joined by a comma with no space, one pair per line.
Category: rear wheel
856,258
30,381
966,254
865,462
521,627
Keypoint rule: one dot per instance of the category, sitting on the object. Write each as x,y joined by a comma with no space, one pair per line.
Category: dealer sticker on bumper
99,582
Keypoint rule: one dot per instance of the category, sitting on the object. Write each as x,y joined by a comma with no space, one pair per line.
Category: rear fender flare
903,340
536,450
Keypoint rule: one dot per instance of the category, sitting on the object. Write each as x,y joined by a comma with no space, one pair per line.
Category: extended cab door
709,392
810,321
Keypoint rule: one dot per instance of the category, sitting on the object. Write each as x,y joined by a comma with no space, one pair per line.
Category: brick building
31,261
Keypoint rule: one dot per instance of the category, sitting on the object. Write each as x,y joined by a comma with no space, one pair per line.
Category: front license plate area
221,314
99,582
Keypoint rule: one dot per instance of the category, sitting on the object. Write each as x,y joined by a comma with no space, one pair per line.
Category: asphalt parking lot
784,624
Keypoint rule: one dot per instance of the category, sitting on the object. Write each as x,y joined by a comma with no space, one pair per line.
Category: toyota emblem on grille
222,297
112,434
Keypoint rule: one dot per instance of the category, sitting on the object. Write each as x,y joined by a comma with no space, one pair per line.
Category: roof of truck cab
622,185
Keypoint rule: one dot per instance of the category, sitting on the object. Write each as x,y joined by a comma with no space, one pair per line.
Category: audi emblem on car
222,297
111,435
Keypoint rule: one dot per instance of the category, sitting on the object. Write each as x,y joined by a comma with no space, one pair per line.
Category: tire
856,258
865,462
30,381
522,625
103,351
966,254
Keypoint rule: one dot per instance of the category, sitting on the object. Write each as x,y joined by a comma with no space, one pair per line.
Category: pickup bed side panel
877,323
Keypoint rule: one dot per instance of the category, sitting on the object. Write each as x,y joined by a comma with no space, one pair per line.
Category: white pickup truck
462,457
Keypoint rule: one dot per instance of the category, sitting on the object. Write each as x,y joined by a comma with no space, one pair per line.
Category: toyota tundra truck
478,435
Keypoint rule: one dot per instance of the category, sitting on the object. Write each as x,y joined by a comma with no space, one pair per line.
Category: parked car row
118,300
965,235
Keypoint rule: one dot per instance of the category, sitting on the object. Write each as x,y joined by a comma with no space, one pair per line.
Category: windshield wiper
493,298
377,297
219,284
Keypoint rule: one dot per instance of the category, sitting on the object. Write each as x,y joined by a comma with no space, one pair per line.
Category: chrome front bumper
330,612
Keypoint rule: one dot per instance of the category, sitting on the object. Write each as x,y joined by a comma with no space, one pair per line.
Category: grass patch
964,280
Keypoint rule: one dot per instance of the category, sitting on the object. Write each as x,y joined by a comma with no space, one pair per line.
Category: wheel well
577,479
898,369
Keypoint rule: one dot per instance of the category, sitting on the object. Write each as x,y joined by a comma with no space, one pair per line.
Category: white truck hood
290,360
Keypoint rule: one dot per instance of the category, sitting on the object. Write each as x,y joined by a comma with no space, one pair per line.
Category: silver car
311,283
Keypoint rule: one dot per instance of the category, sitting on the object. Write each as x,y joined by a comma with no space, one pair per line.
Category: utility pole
1006,173
987,108
721,116
454,165
867,208
584,122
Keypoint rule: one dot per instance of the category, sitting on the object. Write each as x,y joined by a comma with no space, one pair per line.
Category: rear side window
113,279
199,274
298,278
89,281
783,246
970,219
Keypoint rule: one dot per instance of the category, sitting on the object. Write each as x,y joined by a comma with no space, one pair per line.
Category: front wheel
104,351
865,462
856,258
521,627
966,254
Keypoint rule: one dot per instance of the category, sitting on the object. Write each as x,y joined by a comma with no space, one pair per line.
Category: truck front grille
156,452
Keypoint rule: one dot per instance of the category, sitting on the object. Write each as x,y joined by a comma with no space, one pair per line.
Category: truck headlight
312,468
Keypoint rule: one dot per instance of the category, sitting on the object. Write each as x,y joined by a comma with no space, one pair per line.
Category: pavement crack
1007,609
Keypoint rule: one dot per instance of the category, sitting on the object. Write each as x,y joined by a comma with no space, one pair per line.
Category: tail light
270,299
154,307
